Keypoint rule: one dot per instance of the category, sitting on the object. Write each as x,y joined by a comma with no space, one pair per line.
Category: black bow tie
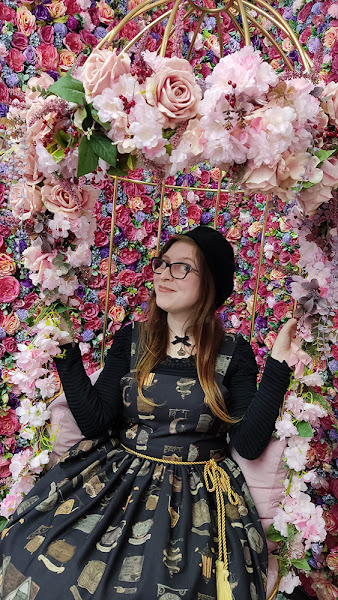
181,340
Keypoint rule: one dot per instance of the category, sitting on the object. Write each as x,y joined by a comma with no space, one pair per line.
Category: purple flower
313,44
60,29
2,333
190,179
333,365
72,23
99,32
262,351
12,80
41,13
287,14
184,221
119,238
22,314
333,434
205,218
260,323
286,238
13,400
54,74
294,55
30,55
104,251
226,216
27,282
179,179
22,245
80,291
140,216
3,110
316,8
164,236
87,335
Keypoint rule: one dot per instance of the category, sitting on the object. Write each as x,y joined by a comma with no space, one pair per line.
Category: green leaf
3,523
68,88
61,309
58,154
324,154
273,535
301,563
104,148
117,172
88,160
304,429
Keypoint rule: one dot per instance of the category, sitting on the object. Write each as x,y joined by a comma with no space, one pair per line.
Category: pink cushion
264,477
64,426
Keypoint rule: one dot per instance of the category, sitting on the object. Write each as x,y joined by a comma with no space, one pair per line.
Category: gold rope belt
218,481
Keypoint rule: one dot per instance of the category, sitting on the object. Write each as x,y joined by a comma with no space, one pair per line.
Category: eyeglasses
177,270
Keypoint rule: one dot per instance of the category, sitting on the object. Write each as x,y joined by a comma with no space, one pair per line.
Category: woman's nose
166,273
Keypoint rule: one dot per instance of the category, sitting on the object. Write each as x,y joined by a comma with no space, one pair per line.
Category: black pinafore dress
107,524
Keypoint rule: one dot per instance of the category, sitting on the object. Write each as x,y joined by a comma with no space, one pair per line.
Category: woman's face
178,296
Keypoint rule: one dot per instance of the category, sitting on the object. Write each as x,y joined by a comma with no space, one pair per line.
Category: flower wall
51,238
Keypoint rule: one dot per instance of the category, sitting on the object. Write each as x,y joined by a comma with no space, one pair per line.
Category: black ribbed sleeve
99,407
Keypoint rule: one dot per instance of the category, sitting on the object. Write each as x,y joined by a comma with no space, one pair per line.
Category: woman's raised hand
282,347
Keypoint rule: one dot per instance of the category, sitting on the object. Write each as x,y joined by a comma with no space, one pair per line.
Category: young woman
156,510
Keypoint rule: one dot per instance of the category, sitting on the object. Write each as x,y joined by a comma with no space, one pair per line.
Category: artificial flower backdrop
52,239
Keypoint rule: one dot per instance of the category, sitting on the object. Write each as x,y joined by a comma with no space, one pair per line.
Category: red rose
335,351
128,257
194,212
9,423
30,299
47,34
273,53
15,60
326,422
101,239
174,219
122,216
88,38
105,224
4,467
304,12
90,310
149,227
10,344
142,295
19,41
126,277
2,185
9,288
147,273
73,42
94,324
48,58
4,230
10,443
205,178
7,14
334,487
294,258
323,451
129,30
148,203
280,309
94,15
72,7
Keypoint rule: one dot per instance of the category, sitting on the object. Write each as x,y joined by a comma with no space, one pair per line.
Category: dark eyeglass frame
189,267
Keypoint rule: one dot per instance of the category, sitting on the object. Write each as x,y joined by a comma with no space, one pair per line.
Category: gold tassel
223,588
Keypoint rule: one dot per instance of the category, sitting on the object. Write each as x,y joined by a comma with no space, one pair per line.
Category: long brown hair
207,332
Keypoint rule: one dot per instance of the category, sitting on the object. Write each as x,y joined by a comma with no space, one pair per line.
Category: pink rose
101,238
194,213
10,344
103,68
73,42
4,467
9,288
90,310
47,34
43,81
7,14
15,60
174,91
122,216
330,102
4,95
56,199
19,41
280,309
48,58
30,299
10,443
88,38
127,277
2,192
25,200
330,172
260,179
9,423
128,257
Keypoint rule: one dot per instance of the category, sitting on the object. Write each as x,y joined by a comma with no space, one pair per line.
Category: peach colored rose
11,323
104,267
330,36
176,200
32,174
234,233
260,179
7,265
103,68
214,174
43,81
56,199
25,200
296,167
254,229
330,101
136,203
25,21
117,314
330,172
313,197
48,57
276,275
213,44
106,13
66,59
173,90
270,339
167,210
57,9
287,45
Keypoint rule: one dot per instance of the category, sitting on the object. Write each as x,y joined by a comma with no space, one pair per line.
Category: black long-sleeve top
98,407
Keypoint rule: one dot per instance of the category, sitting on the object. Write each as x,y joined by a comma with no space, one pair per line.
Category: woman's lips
164,289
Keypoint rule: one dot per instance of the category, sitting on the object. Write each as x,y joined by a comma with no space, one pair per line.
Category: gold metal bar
193,39
219,189
220,36
172,187
245,23
261,252
136,11
167,31
272,40
235,22
149,26
111,245
160,219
